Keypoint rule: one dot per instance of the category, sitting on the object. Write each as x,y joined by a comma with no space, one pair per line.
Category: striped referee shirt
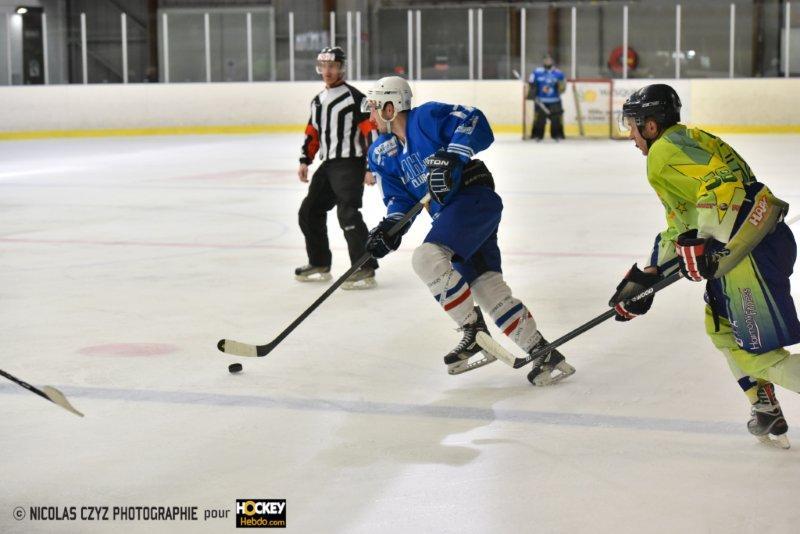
337,127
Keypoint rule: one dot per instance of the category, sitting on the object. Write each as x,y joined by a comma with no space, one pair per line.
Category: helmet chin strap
388,122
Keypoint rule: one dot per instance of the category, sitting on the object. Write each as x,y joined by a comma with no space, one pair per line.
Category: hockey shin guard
432,264
509,314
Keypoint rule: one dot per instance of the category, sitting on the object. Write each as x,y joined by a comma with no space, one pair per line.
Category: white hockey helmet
392,89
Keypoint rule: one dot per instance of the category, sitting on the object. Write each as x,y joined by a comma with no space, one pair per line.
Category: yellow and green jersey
701,182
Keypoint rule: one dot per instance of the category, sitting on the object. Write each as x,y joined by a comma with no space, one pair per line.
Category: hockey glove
695,256
635,282
379,242
444,175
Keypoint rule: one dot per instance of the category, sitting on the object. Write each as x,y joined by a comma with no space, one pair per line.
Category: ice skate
364,278
460,359
767,422
550,368
312,273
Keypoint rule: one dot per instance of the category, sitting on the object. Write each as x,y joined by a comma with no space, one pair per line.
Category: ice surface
124,260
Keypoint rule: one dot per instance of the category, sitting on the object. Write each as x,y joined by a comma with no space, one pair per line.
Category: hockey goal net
591,109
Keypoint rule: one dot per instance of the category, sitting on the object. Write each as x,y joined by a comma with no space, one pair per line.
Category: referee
341,134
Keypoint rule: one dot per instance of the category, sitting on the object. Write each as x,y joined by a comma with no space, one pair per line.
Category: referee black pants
340,183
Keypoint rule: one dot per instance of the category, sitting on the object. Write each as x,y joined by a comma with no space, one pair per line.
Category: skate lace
765,408
538,345
469,337
767,403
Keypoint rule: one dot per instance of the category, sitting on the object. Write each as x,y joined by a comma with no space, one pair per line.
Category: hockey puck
235,368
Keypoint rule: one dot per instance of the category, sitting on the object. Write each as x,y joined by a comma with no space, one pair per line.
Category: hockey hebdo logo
260,513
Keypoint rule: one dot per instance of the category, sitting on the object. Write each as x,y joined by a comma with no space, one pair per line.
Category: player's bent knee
430,260
786,373
755,365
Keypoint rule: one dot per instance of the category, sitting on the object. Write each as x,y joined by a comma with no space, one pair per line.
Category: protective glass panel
228,32
390,44
651,33
311,34
705,39
444,51
5,52
497,43
186,35
264,68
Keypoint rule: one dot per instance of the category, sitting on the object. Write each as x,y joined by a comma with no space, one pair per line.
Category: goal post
591,110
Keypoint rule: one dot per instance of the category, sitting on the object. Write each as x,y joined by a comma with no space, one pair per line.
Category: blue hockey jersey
546,83
430,127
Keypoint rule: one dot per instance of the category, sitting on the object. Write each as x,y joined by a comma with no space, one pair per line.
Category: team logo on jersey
758,212
414,171
469,127
750,321
387,148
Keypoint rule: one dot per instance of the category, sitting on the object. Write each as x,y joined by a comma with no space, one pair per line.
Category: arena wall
739,105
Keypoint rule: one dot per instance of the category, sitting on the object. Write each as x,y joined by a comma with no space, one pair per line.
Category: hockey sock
748,384
509,314
432,264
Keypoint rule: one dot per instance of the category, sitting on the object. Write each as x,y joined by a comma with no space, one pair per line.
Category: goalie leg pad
509,314
432,264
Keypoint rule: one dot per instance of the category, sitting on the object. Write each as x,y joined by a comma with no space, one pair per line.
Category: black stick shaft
24,384
398,226
658,286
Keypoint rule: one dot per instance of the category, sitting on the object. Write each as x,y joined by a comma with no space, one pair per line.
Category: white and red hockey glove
635,282
697,261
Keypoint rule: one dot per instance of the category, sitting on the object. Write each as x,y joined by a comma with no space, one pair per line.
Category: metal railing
418,59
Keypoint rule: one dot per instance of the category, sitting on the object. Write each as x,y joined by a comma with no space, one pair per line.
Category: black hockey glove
635,282
379,242
694,253
444,175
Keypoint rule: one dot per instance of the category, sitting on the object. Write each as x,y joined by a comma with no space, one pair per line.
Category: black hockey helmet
332,53
658,101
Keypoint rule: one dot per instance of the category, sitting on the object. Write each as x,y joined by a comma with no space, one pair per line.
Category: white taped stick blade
58,398
229,346
494,348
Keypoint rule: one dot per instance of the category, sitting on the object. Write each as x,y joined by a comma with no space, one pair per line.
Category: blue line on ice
396,409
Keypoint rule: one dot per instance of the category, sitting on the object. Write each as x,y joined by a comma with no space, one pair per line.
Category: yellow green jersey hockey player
724,227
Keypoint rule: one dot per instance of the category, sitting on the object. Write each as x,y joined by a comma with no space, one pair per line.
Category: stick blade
494,348
57,397
236,348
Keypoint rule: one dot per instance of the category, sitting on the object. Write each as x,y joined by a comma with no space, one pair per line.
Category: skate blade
782,441
561,371
316,277
366,283
470,364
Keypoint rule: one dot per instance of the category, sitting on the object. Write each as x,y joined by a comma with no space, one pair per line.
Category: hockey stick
237,348
541,106
674,277
661,284
47,392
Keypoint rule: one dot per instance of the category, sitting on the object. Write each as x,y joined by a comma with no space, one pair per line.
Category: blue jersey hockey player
546,84
429,150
